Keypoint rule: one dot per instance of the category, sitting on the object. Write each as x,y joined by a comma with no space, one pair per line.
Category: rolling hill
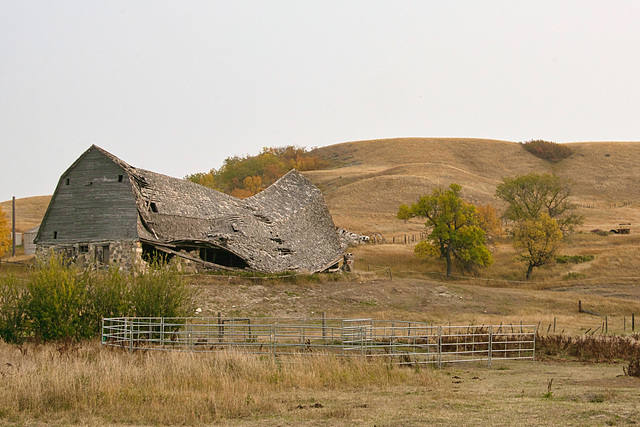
372,178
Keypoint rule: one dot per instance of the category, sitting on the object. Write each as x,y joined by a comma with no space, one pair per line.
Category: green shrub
574,276
57,302
574,259
547,150
12,309
109,296
161,292
60,302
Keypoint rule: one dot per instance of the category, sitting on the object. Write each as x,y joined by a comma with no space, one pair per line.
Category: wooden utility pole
13,226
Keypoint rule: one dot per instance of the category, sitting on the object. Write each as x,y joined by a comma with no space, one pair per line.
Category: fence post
103,339
273,342
490,349
162,331
130,334
535,336
392,340
439,357
324,330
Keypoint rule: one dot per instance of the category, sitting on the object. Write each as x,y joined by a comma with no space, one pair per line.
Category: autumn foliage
547,150
245,176
5,230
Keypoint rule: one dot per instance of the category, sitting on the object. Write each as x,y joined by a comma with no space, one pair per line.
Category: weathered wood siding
93,202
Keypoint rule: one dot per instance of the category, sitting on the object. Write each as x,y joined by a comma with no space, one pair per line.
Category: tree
245,176
537,240
5,233
489,221
454,228
529,196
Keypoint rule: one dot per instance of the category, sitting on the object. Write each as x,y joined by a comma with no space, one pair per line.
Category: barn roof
285,227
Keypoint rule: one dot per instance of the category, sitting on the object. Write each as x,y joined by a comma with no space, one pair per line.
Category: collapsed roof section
286,227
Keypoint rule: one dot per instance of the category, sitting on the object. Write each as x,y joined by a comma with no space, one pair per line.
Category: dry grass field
87,385
374,177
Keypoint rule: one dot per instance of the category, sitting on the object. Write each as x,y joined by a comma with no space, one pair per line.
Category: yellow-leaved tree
537,241
5,233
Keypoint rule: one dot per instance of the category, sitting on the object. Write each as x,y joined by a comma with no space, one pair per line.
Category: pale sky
178,86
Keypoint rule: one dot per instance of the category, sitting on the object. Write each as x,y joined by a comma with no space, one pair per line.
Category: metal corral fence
399,342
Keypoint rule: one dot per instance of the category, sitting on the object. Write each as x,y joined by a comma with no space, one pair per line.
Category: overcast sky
178,86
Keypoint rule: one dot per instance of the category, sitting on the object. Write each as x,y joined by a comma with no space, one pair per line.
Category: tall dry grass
87,383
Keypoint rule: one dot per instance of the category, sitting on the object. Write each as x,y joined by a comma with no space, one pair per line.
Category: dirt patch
413,300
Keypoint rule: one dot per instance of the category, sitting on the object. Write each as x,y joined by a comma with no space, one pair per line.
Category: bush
574,276
12,309
60,302
633,370
547,150
588,348
574,259
57,302
109,296
161,292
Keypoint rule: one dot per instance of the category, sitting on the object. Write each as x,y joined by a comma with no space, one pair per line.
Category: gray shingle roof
285,227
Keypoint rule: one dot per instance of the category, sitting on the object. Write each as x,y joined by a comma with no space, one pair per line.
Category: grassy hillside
373,178
29,211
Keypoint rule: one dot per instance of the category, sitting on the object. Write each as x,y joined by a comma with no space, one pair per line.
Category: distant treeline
245,176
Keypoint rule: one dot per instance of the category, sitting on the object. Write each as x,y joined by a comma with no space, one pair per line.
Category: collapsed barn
107,211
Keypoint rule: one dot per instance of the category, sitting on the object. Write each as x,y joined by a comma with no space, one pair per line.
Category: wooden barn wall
93,202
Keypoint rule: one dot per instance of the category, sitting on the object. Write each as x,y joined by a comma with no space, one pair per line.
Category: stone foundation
125,254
